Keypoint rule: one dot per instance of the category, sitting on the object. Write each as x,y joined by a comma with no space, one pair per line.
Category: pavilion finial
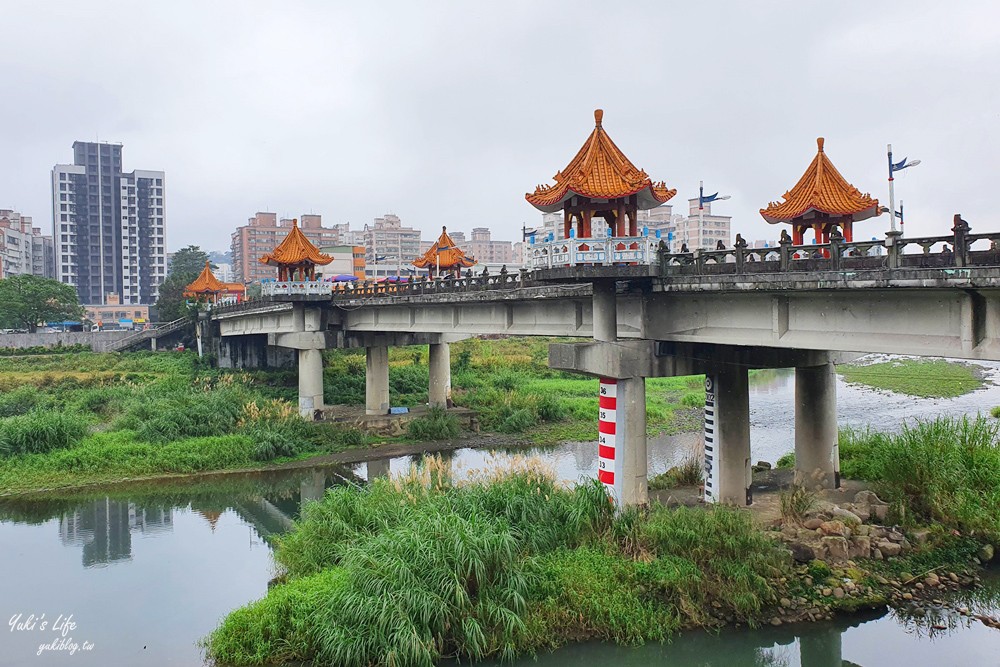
819,144
295,222
598,116
443,228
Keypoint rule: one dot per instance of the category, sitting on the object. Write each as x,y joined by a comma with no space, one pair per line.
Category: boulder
813,523
889,549
860,546
985,553
836,548
834,528
847,516
802,553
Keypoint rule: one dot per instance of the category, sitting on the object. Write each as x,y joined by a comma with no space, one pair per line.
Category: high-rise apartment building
485,250
108,226
23,248
701,229
389,244
262,234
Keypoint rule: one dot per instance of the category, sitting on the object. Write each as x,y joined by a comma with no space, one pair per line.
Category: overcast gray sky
448,112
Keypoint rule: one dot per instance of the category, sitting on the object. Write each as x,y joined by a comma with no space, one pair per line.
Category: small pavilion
821,200
207,286
443,257
600,181
296,257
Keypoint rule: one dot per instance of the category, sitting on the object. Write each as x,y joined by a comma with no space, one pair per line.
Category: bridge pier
817,456
439,372
727,436
632,448
605,311
377,380
310,382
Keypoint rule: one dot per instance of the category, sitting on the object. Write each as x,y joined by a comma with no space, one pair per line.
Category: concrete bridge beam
310,382
377,380
817,457
439,370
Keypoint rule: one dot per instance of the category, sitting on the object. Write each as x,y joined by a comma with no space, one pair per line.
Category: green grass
410,570
945,472
916,377
437,425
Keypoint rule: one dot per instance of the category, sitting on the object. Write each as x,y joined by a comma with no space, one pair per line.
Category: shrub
786,461
507,380
20,401
550,408
437,425
995,412
688,473
40,432
279,439
693,399
463,361
796,502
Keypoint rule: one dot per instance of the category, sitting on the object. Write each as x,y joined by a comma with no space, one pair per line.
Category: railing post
784,253
893,258
698,261
836,248
961,231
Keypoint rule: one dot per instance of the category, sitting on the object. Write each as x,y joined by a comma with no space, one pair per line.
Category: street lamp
893,168
702,200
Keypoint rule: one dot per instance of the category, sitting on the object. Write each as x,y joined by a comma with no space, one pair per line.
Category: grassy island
70,418
926,378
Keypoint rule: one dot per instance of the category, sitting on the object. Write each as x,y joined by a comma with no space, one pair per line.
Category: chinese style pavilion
821,200
296,257
600,181
443,257
207,286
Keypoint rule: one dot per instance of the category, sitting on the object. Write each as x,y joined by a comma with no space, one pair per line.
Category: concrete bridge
718,313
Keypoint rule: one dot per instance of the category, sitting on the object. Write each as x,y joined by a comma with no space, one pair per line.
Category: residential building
390,246
23,248
109,226
262,234
224,272
112,314
487,251
348,260
702,229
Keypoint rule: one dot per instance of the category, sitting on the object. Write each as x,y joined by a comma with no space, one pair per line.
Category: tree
185,266
26,301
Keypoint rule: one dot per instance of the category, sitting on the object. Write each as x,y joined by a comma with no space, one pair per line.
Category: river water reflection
148,570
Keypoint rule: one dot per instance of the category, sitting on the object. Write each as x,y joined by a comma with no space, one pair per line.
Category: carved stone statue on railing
503,273
740,242
835,234
785,238
719,245
684,248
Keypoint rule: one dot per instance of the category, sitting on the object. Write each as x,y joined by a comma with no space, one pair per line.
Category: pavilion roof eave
864,214
647,198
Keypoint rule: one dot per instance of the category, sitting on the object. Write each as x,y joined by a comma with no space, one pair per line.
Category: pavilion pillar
797,234
727,436
848,231
817,456
605,309
439,367
377,380
619,229
310,383
567,222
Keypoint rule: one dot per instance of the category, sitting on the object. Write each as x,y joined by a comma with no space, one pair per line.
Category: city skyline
429,126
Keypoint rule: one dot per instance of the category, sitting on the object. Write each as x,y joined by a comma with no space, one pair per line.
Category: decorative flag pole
894,167
702,200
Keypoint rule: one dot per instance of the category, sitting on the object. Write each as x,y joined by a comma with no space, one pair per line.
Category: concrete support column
817,458
727,436
605,311
310,382
377,380
439,370
152,344
632,446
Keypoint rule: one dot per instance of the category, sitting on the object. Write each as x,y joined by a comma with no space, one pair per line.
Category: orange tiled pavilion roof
295,249
206,283
824,190
444,251
600,171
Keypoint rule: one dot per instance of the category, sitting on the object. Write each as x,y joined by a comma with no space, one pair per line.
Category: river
138,574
